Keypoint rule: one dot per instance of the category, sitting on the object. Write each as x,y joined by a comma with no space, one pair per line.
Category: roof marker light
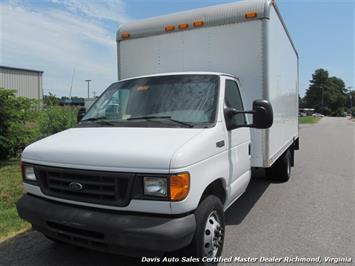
198,23
183,26
169,28
125,35
250,15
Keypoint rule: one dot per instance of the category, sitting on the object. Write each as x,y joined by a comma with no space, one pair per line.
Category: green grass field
308,120
10,191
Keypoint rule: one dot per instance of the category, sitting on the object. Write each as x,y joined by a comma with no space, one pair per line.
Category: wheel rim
213,235
288,168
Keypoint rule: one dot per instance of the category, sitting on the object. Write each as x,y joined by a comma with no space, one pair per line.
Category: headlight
29,173
155,186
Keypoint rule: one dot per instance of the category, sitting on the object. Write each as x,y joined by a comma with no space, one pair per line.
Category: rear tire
281,169
209,235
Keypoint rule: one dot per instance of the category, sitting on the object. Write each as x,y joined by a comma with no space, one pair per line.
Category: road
311,215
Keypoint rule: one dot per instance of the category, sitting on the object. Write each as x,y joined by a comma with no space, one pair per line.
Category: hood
116,149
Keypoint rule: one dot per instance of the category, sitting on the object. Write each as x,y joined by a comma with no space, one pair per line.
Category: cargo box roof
211,16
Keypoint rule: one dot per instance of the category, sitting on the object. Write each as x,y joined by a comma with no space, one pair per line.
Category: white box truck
204,96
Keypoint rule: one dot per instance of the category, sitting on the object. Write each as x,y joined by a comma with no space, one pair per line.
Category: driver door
238,142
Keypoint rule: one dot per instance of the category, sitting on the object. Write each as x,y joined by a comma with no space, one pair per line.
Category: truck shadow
256,188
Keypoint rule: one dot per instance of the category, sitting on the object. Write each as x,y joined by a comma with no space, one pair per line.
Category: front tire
209,236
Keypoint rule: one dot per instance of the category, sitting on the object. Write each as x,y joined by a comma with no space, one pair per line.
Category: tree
325,93
51,99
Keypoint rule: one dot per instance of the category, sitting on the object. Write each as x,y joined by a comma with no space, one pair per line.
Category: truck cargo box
247,39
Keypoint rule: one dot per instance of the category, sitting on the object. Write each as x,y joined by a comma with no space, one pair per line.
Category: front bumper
110,231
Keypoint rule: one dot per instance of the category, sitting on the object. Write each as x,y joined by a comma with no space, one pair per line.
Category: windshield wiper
161,117
99,120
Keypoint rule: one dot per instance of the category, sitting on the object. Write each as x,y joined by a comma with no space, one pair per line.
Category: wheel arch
216,188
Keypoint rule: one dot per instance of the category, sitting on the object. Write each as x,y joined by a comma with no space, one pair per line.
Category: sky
76,38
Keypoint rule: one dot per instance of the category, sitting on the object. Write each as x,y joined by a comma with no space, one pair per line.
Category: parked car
302,114
317,115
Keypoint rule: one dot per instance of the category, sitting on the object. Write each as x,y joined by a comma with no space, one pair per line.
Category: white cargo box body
259,51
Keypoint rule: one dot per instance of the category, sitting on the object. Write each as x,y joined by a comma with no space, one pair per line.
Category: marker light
169,28
125,35
179,186
250,15
199,23
183,26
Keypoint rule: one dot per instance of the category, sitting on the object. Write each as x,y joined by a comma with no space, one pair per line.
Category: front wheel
209,236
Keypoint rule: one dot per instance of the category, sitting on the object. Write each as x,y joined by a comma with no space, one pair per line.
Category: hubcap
213,235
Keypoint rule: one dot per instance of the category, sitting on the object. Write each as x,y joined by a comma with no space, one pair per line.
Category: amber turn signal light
179,186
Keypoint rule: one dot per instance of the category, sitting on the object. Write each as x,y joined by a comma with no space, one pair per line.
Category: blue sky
59,35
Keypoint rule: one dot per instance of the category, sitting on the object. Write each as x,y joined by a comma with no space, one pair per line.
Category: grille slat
83,181
84,191
108,188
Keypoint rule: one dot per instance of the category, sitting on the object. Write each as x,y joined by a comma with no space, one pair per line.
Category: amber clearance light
250,15
179,186
198,23
125,35
169,28
183,26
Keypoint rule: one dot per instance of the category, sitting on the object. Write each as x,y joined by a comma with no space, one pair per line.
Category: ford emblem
75,186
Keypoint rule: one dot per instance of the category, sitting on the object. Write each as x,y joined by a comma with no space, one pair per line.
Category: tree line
328,95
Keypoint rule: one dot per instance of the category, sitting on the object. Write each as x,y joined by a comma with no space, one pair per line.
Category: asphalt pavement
310,216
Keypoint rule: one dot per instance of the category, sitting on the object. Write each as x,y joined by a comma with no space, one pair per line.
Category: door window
233,99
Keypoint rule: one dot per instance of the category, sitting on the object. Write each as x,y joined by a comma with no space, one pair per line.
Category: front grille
108,188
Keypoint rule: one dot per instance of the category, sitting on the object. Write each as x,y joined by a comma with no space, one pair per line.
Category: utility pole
88,81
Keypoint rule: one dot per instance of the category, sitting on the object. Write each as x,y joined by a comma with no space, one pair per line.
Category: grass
308,120
10,191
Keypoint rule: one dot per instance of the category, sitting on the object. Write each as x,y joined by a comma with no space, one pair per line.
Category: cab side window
233,99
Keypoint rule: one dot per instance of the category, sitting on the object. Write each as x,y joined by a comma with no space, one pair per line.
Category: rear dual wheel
281,169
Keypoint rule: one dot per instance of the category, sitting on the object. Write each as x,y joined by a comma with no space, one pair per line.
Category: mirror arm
246,112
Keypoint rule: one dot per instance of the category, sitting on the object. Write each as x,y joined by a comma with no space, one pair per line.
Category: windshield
163,101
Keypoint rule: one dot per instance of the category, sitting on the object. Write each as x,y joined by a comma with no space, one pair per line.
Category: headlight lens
155,186
29,173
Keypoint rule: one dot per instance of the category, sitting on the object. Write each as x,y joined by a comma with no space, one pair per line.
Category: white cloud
108,9
57,40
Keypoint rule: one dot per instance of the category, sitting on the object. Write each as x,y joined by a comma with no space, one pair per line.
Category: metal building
27,82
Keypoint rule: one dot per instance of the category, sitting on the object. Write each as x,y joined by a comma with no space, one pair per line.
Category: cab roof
182,73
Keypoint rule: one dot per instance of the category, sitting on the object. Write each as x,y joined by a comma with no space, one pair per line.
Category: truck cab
154,175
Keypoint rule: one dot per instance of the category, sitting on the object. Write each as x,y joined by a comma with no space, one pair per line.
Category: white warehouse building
27,82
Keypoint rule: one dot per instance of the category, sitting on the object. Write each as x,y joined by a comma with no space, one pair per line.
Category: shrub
353,111
54,119
325,110
17,116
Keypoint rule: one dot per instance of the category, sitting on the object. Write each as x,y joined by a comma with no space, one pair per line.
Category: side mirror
81,113
263,116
